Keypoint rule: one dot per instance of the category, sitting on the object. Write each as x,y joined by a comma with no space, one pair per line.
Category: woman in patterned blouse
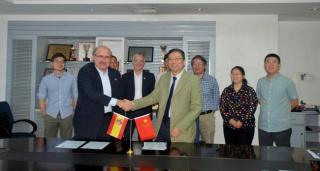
237,106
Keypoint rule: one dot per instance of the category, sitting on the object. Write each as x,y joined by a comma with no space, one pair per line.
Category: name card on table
154,146
95,145
71,144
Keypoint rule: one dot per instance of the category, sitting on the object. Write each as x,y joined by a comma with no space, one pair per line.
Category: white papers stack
70,144
96,145
314,154
154,146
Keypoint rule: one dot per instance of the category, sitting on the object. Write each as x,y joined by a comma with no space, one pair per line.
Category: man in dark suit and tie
137,83
99,88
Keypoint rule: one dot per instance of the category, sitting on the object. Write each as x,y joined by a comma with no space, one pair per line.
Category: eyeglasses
59,61
175,59
101,56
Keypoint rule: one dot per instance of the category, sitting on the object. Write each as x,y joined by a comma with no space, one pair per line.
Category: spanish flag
117,125
145,127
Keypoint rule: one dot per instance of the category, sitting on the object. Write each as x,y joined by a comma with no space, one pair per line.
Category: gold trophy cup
86,48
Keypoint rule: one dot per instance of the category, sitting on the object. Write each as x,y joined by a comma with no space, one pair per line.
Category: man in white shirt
137,83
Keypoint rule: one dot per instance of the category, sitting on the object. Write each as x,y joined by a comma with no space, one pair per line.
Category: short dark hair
112,56
199,57
177,50
58,55
165,57
240,68
272,55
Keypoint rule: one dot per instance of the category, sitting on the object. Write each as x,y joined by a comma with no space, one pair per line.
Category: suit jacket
89,112
186,104
148,81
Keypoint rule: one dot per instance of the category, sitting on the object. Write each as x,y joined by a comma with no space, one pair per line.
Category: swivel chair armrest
33,124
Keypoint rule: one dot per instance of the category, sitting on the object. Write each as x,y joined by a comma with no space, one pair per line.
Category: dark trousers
102,135
281,138
164,131
238,136
127,132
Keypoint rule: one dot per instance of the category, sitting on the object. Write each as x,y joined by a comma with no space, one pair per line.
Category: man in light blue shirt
57,98
277,95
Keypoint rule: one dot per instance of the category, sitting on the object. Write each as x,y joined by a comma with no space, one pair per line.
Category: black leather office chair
7,122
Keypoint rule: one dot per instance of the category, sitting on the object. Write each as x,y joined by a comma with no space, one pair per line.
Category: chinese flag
117,125
145,127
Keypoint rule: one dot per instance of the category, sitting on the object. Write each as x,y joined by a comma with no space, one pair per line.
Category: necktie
166,112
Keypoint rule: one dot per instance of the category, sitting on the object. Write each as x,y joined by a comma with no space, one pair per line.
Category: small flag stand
130,151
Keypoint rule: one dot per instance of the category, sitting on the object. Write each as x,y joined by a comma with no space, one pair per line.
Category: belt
206,112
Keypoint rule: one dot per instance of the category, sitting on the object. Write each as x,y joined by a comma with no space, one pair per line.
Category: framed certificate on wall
65,49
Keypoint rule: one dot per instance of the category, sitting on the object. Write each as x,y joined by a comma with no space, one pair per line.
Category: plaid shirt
210,93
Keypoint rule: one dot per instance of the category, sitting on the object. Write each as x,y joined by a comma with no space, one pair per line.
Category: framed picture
65,49
47,71
147,51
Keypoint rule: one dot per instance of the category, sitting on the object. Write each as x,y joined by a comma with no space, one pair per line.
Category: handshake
125,104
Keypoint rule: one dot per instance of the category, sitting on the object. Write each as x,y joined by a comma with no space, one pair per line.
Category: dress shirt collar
274,77
136,74
60,76
178,75
204,76
101,72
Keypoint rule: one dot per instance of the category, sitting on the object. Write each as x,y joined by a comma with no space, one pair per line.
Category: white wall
3,56
299,47
240,40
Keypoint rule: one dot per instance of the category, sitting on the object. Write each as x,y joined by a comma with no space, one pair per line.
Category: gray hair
101,47
138,53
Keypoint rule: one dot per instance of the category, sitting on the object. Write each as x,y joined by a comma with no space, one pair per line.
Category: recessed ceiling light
146,10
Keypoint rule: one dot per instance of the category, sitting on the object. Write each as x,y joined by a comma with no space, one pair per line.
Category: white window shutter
197,48
21,73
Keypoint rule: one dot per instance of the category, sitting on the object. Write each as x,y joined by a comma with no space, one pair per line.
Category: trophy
73,57
86,48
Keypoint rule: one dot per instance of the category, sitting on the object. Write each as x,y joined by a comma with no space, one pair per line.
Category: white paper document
70,144
154,146
314,153
95,145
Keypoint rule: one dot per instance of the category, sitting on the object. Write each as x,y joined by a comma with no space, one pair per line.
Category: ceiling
288,10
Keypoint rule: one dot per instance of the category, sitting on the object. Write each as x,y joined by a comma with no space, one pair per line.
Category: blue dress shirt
59,93
274,96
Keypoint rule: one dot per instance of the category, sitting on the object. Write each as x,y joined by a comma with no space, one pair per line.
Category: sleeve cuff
113,102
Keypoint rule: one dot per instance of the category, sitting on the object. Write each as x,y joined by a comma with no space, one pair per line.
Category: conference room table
23,154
